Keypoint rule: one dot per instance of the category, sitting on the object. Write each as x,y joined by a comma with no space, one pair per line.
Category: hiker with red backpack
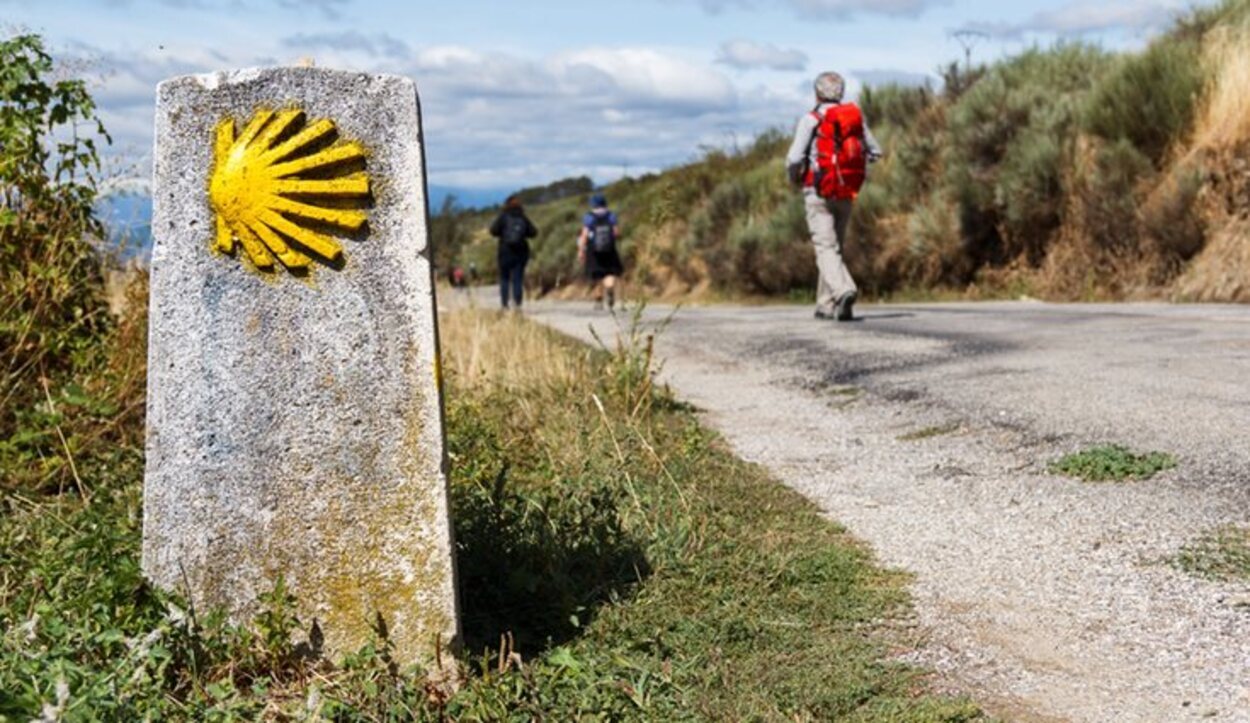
596,248
829,158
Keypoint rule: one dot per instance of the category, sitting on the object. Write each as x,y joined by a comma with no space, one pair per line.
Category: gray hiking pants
828,220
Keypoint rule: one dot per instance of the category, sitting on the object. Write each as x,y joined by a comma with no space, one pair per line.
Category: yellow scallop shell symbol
279,181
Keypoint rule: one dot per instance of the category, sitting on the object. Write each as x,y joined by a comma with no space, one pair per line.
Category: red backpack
840,159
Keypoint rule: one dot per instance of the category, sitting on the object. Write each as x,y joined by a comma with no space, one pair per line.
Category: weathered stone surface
295,422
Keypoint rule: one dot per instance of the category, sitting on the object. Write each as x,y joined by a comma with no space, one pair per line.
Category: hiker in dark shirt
596,247
513,229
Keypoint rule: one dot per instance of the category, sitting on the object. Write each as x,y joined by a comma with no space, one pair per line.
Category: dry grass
490,349
1224,122
1221,272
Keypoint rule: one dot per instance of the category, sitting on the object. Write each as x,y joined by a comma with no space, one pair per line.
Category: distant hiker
513,229
457,278
596,248
828,158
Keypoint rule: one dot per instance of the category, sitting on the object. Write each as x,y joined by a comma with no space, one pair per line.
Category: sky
518,93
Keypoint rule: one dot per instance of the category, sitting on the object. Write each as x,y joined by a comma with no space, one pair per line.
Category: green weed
929,432
1220,555
1112,463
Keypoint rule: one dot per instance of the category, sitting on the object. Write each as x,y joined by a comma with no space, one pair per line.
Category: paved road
1049,599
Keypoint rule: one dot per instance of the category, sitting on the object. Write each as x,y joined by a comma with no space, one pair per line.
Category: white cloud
494,119
373,45
1083,18
847,8
646,78
831,9
745,55
330,9
1136,17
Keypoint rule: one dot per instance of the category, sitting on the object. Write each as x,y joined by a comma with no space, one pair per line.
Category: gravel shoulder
927,430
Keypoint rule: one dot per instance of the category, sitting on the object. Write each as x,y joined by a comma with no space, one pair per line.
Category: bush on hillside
1009,135
771,252
895,105
1105,190
1171,216
1148,99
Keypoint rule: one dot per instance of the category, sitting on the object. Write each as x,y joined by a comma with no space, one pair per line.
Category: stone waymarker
294,411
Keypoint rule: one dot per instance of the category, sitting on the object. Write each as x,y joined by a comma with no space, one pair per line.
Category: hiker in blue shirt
596,248
513,229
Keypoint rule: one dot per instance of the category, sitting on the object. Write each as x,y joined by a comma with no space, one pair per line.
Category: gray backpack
602,234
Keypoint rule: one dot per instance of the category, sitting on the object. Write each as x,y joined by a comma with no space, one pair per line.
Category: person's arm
496,228
616,226
530,229
796,158
581,243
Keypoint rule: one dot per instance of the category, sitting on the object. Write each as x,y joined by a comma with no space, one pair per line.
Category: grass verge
1223,555
617,563
1112,463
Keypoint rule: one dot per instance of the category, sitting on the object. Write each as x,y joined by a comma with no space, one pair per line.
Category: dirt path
1048,598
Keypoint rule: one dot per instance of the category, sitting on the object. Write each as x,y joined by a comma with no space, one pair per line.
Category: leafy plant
52,310
1112,463
1223,554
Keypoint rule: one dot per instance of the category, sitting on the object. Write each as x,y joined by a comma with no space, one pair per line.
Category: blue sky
515,93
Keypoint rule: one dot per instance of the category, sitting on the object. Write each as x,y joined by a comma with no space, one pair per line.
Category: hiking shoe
843,309
824,315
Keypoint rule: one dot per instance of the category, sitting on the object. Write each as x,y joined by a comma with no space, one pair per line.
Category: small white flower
313,704
30,628
176,614
52,713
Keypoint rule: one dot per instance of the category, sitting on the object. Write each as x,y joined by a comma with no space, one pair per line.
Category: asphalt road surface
1045,598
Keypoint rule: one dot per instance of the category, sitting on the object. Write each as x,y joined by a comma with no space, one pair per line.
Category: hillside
1065,173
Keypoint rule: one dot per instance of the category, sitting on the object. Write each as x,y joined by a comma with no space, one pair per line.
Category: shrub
51,287
1171,218
894,105
936,250
772,254
1010,133
1029,192
1149,98
1105,193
